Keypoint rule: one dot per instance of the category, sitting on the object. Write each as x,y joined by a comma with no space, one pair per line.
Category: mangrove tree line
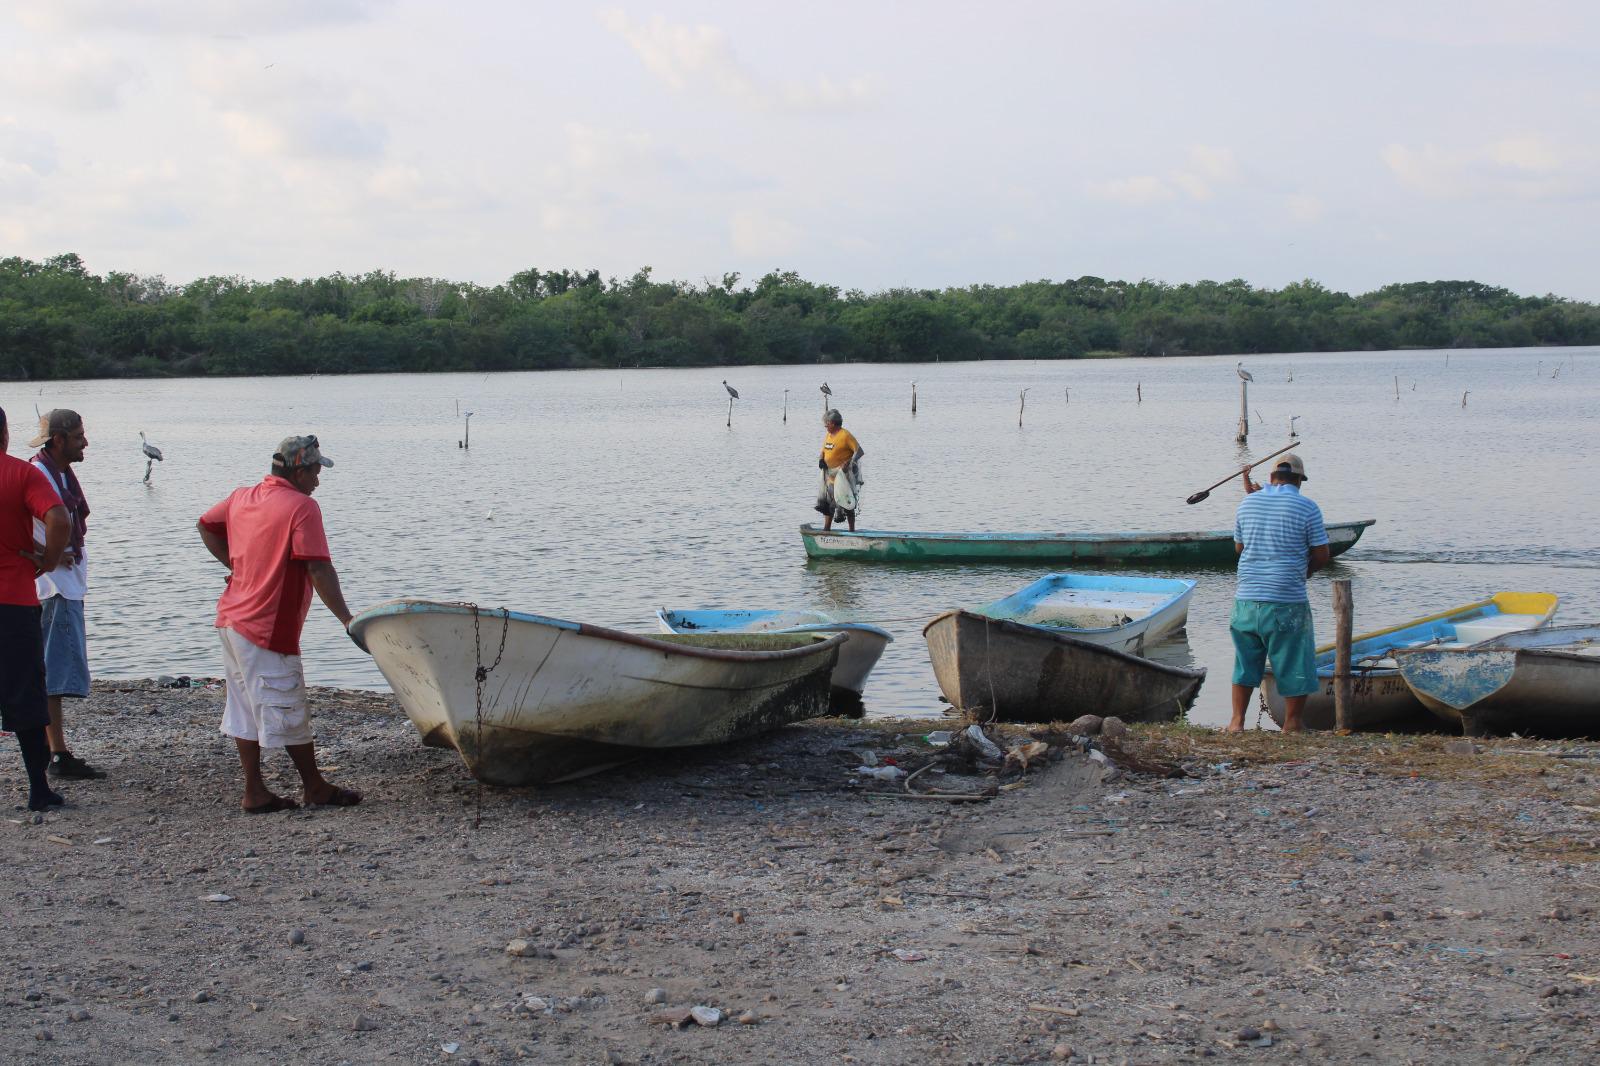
58,320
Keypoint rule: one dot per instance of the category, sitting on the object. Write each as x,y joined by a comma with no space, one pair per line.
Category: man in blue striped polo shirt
1280,539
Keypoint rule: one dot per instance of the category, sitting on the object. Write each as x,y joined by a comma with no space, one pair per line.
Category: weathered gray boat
1014,672
1539,682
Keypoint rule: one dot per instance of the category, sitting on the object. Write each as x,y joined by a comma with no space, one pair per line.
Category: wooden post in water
1397,386
1463,399
786,407
913,397
1244,411
1022,405
1343,683
1138,391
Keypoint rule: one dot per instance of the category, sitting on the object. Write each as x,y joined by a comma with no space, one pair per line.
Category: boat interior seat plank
1494,625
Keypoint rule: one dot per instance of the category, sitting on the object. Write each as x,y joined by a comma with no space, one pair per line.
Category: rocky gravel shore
1192,895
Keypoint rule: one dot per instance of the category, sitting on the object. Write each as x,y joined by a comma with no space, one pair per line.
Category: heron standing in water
152,456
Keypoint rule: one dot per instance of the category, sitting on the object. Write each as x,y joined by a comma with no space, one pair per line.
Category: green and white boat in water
1209,548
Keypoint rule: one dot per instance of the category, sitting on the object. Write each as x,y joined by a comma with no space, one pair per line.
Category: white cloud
1135,191
702,58
82,76
1305,207
1527,167
32,149
1525,153
275,112
194,17
27,159
1206,167
754,232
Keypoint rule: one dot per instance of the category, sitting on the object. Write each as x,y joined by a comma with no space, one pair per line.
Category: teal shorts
1279,633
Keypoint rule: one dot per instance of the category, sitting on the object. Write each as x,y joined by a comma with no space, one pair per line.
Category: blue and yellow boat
1382,701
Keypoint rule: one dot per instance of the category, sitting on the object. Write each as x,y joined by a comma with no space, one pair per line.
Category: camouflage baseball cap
60,420
296,452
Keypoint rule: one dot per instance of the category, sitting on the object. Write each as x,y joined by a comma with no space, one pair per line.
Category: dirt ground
1328,899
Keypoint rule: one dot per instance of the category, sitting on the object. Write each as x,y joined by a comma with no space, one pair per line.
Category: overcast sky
864,144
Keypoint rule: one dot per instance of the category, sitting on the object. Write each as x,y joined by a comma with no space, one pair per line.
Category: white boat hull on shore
564,698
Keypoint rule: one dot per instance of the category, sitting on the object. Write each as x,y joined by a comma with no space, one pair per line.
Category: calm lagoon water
601,495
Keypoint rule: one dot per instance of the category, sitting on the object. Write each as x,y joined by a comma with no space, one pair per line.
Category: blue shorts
66,648
1264,631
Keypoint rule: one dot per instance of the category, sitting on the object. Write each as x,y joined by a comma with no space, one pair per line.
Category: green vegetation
59,321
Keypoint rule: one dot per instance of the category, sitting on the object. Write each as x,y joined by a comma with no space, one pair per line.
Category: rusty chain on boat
480,674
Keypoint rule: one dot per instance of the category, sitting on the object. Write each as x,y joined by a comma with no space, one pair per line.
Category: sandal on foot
273,806
339,797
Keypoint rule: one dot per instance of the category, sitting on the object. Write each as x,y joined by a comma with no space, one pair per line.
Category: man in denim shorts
61,441
1280,539
270,537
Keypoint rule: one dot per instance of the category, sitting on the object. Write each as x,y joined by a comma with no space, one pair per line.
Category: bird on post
152,455
826,393
733,392
1238,368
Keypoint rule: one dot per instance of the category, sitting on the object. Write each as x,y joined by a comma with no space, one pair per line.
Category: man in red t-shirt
25,494
270,538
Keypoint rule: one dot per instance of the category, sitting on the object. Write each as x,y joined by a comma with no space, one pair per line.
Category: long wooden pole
1244,412
1343,683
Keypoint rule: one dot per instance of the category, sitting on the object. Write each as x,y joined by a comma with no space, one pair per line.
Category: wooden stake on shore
1343,683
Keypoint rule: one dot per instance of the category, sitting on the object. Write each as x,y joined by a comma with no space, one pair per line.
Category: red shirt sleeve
216,519
38,492
307,540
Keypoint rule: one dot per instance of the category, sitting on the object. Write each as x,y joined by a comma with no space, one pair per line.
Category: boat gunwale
1026,630
1441,616
407,606
807,627
1495,644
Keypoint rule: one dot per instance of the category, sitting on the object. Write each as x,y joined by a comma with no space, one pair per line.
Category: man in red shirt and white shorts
270,537
26,494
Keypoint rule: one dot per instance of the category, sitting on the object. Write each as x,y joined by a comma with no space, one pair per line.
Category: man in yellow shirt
841,478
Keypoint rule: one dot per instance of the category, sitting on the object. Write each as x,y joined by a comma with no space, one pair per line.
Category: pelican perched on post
1244,402
152,455
827,394
733,394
